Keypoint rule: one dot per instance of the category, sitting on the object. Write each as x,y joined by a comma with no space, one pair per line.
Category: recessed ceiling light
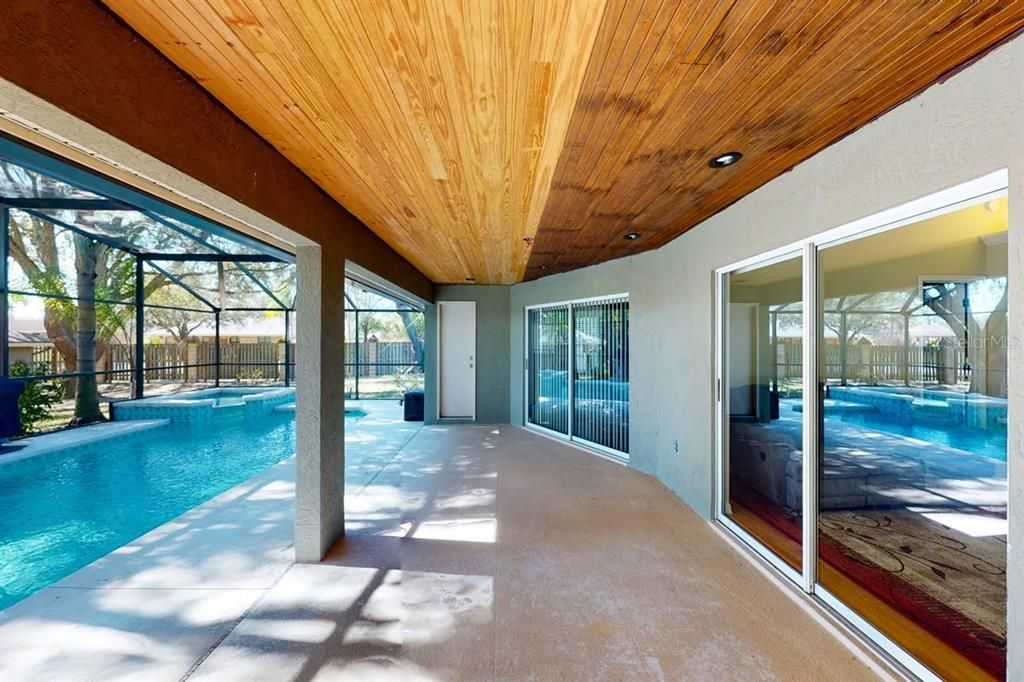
631,236
726,159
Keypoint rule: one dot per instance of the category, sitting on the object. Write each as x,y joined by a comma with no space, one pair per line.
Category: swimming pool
63,510
987,443
223,397
202,407
990,442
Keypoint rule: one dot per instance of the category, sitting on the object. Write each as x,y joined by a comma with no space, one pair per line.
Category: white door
457,343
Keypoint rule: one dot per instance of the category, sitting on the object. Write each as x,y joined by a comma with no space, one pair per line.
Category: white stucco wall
958,130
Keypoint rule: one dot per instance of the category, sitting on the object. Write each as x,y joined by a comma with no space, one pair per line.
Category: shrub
249,374
407,380
39,395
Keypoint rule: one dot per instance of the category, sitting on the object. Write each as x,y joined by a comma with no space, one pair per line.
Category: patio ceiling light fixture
631,236
726,159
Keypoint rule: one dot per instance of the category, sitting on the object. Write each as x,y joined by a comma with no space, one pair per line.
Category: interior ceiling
458,131
969,225
966,226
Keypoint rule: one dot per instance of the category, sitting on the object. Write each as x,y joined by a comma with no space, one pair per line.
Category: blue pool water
978,441
989,443
63,510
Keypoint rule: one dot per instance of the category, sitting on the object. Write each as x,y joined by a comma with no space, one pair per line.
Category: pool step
841,407
932,411
349,411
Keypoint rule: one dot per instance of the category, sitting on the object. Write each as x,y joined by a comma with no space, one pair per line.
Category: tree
368,323
50,258
180,317
411,321
89,286
87,400
414,329
985,350
862,326
882,320
79,326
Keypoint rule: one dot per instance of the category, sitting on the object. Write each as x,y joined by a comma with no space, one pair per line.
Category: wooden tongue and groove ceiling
493,141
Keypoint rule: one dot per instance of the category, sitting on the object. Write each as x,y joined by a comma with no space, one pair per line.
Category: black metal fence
377,369
374,368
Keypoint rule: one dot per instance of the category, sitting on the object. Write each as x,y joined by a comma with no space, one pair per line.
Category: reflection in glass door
548,365
764,429
912,491
601,373
577,371
894,478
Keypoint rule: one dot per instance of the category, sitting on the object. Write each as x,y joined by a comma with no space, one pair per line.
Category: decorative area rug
966,573
951,584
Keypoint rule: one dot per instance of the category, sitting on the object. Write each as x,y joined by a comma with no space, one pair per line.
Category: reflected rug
950,583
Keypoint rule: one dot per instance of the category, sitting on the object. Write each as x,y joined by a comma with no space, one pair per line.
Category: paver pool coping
45,443
207,396
33,446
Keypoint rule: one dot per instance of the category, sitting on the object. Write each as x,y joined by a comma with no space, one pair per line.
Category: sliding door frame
721,497
991,186
527,366
570,304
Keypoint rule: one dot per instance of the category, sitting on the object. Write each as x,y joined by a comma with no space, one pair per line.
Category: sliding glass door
764,412
577,371
863,445
548,362
601,373
912,489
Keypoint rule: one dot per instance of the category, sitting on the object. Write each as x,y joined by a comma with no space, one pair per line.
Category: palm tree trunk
87,401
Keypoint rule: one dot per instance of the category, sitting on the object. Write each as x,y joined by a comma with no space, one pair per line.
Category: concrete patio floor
473,553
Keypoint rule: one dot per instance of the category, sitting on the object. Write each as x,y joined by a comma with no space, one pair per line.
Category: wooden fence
873,364
380,358
263,360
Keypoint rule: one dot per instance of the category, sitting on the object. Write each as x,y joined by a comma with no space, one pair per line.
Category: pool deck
73,438
473,552
152,608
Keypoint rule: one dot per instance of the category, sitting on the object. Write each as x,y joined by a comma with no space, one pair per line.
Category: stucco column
320,402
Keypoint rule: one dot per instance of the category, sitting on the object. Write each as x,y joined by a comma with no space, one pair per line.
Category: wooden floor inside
942,659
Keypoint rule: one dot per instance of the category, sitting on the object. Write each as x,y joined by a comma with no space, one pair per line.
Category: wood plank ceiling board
438,124
459,129
776,81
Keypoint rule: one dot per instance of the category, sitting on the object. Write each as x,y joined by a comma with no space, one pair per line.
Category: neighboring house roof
255,327
27,337
26,331
30,330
